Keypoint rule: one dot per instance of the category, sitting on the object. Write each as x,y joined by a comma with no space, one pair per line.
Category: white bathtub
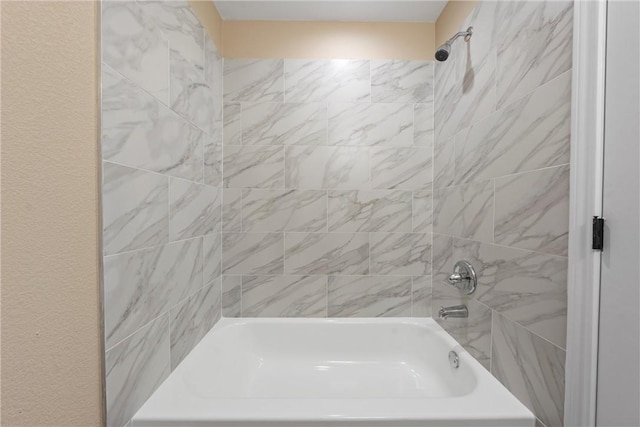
330,372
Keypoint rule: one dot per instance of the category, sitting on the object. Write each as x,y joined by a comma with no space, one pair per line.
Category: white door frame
587,153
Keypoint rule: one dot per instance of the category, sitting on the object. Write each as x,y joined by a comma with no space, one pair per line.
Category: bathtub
330,372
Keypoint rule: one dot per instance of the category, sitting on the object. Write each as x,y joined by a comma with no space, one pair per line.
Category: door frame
586,178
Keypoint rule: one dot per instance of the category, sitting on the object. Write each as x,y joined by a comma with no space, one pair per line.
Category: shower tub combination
330,372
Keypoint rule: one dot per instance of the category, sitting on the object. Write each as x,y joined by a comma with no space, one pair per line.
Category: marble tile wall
501,193
162,194
328,192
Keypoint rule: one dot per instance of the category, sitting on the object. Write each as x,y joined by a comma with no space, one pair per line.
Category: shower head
442,53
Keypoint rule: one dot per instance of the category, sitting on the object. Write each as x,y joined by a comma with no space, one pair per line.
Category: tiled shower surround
501,193
327,187
335,188
162,196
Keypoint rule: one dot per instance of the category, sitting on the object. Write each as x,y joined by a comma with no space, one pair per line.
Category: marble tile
194,210
212,162
369,296
534,45
213,76
253,80
530,134
327,167
474,332
421,296
232,124
141,285
401,168
253,167
192,319
284,210
532,210
527,287
337,80
531,368
442,261
232,296
422,211
284,124
231,209
369,210
327,253
423,124
284,296
465,211
252,253
133,45
401,81
135,368
141,132
135,208
444,163
212,250
406,254
364,124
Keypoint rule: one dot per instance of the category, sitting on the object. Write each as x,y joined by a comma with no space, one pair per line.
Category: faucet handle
463,277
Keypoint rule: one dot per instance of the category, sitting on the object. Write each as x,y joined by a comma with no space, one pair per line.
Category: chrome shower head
442,53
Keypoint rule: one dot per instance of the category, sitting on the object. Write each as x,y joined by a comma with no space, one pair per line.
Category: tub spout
459,311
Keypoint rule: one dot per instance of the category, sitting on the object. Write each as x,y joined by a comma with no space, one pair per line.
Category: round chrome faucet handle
463,277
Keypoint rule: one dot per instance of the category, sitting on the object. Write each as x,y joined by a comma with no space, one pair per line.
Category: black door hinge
598,233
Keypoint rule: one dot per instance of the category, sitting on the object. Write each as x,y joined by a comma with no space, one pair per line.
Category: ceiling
331,10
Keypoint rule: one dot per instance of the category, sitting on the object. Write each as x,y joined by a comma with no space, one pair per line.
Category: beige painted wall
51,334
321,40
210,19
451,18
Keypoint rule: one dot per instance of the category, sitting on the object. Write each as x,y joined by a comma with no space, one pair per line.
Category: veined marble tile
337,80
465,211
444,163
195,209
370,124
284,296
231,209
326,253
369,210
531,368
423,124
534,42
134,370
212,250
401,81
422,211
141,132
140,285
406,254
135,208
369,296
232,124
253,167
442,261
284,124
192,319
212,162
213,75
401,168
421,296
529,134
527,287
284,210
253,80
231,296
327,167
252,253
532,210
474,332
190,95
133,45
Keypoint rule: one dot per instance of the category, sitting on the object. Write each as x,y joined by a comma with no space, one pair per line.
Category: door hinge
598,233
